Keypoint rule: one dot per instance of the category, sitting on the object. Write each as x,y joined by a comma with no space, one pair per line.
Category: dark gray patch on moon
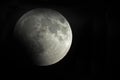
62,20
54,27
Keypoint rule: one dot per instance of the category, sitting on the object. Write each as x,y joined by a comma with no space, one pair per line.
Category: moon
46,34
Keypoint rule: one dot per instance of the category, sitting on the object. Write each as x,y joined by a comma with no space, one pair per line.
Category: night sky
94,51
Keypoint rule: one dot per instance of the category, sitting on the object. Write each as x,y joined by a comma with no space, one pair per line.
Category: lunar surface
46,34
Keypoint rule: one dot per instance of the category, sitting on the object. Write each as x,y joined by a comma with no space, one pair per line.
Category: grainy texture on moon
46,34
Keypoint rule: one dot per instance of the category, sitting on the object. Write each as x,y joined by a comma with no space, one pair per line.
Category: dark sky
94,48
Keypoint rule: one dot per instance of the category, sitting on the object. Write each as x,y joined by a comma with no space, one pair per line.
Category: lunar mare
47,35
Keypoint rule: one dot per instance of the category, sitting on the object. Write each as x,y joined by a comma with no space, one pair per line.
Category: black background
94,51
